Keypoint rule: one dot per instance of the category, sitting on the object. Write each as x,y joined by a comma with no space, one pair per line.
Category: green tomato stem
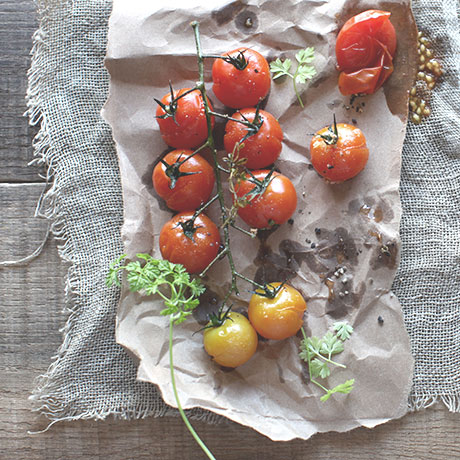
176,396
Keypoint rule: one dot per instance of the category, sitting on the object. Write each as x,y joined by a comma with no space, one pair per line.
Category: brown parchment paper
353,226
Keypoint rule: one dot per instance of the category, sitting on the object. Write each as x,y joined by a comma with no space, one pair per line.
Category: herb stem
176,396
296,91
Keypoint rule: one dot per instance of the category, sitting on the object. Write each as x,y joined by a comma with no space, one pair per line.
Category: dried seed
421,75
427,112
416,118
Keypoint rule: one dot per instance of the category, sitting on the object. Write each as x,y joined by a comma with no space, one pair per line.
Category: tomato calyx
331,137
189,228
252,126
269,291
239,61
173,171
170,109
259,185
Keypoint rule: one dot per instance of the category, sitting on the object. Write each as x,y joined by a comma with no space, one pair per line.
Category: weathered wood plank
17,24
31,300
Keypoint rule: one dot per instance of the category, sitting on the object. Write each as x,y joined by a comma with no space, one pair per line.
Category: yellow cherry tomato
280,317
233,342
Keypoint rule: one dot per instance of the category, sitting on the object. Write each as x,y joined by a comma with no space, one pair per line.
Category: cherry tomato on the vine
232,343
183,122
280,317
243,83
365,48
186,183
192,243
276,203
339,152
262,148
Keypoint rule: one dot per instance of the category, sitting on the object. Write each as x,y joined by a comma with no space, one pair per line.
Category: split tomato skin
194,252
190,129
241,88
343,160
262,148
233,343
280,317
365,48
274,207
189,191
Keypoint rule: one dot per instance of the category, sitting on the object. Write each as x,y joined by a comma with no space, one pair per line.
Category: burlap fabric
92,376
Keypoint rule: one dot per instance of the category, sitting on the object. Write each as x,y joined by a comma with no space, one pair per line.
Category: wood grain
31,314
17,24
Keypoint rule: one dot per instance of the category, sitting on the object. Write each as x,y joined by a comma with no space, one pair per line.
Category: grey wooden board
17,24
31,314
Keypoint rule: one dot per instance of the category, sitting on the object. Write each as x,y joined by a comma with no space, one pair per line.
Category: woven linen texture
92,376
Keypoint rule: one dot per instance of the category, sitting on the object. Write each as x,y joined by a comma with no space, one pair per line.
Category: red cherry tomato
195,246
187,129
274,206
340,160
262,148
365,48
280,317
186,183
241,88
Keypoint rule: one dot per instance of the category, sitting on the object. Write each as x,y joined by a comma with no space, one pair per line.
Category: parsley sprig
303,72
180,294
317,353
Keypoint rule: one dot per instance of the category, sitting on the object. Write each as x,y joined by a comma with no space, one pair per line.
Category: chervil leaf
331,345
305,56
303,72
319,368
280,68
343,329
155,276
344,388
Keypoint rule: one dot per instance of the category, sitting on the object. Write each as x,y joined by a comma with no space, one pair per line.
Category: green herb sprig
303,72
317,353
180,294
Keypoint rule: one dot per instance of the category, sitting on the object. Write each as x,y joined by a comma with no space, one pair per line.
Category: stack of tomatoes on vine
261,197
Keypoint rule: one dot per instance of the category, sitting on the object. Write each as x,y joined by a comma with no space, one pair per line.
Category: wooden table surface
31,314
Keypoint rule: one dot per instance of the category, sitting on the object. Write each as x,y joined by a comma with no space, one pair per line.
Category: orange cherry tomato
184,184
187,129
339,157
194,244
280,317
241,88
365,48
272,207
232,343
262,148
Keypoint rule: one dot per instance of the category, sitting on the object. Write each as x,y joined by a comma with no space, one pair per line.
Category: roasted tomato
184,183
194,244
365,48
262,143
279,317
182,120
231,343
241,78
272,198
339,152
